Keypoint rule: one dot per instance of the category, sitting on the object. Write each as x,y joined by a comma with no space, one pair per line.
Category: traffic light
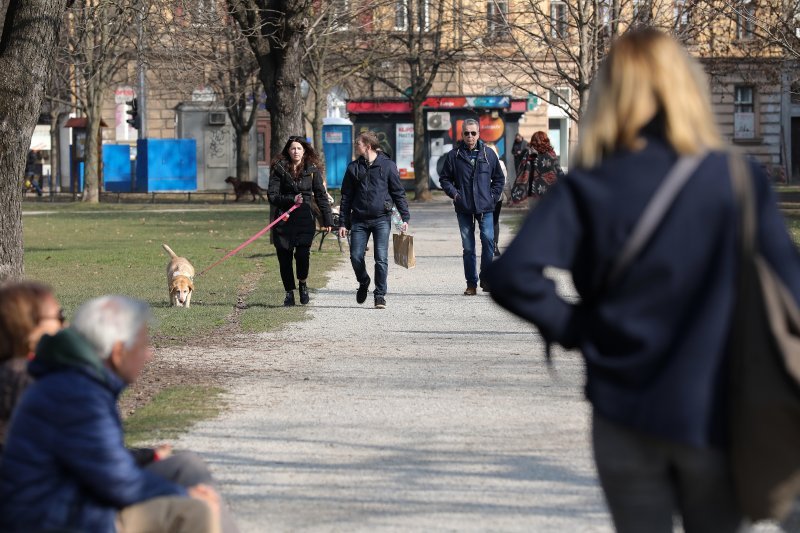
135,121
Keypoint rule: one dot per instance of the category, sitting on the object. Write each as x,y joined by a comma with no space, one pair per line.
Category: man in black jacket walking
473,178
370,187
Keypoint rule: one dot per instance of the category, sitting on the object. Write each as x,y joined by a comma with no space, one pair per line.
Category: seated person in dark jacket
65,466
28,310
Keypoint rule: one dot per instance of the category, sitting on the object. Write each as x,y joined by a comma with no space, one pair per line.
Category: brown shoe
471,291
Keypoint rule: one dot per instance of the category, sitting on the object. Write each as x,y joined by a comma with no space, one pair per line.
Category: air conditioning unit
216,118
439,120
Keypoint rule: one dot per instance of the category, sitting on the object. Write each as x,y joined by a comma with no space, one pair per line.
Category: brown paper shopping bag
404,250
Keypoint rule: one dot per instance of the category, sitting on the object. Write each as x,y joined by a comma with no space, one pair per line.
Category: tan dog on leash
180,279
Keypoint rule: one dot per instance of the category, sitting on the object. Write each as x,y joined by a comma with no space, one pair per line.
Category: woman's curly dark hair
310,156
541,143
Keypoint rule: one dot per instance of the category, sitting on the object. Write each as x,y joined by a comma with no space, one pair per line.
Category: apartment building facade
543,52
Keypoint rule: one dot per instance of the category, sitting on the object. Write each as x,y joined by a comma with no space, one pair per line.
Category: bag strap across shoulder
654,213
745,200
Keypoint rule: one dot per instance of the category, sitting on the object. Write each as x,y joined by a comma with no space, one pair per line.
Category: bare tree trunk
320,103
422,191
275,31
30,30
280,74
55,149
91,166
243,155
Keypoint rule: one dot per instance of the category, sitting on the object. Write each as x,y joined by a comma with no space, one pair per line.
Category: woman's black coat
283,187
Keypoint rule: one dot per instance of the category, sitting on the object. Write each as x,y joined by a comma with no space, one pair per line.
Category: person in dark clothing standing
370,186
544,168
296,179
473,178
518,149
655,340
28,310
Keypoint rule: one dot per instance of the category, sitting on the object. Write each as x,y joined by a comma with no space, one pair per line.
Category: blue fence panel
117,168
166,165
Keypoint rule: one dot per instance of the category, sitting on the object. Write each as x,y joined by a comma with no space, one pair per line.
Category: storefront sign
124,94
204,94
404,139
434,102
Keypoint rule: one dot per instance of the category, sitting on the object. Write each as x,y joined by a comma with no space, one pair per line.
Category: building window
497,19
606,18
558,97
340,11
641,11
422,15
558,20
426,14
744,119
261,147
682,15
745,19
401,15
337,103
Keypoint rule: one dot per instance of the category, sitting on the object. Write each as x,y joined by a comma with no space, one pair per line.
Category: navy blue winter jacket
655,343
368,191
65,466
472,190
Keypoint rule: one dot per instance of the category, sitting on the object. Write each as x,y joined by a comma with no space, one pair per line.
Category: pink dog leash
284,216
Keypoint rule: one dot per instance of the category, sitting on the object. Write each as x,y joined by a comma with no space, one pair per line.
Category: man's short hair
110,319
370,138
470,122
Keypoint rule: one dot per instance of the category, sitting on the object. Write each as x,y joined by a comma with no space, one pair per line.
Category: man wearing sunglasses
472,177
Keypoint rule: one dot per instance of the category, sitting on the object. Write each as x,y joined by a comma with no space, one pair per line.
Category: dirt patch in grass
159,374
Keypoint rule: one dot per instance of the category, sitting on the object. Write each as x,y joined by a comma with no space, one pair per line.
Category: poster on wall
404,143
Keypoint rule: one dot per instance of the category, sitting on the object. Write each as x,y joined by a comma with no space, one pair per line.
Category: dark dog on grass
242,188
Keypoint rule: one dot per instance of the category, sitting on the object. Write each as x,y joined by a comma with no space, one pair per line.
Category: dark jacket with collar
65,466
655,343
283,188
300,228
369,190
473,190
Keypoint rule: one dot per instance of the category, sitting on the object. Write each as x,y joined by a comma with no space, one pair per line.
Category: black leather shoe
289,300
363,290
380,302
303,290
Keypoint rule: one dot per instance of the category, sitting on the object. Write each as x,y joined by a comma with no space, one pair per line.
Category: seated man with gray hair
65,465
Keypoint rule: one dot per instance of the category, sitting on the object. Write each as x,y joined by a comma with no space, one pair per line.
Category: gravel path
435,414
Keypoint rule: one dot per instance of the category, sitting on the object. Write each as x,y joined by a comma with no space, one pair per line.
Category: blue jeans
380,228
466,223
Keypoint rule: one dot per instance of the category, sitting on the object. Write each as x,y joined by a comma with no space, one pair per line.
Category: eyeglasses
60,316
469,133
296,138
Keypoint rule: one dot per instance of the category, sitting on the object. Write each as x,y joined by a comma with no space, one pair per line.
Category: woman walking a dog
296,179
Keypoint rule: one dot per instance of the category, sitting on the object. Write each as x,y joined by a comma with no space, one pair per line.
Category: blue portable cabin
337,145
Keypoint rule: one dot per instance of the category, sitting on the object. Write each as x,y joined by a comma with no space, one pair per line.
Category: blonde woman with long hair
655,337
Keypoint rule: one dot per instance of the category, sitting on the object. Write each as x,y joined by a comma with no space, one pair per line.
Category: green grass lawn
86,252
172,412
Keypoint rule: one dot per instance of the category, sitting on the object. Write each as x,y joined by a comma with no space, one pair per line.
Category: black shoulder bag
764,399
